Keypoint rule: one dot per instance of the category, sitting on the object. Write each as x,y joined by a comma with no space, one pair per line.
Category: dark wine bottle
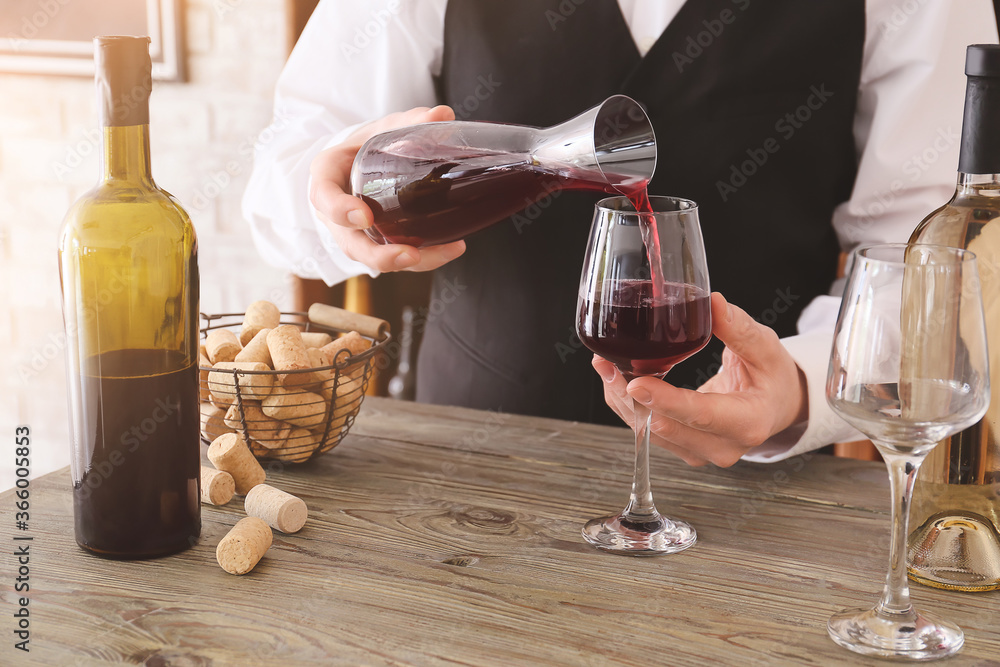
129,274
956,500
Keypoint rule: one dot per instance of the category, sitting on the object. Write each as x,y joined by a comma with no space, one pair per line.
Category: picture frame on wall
56,36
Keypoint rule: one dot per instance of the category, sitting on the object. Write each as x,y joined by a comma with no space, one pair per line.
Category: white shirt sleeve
354,62
907,130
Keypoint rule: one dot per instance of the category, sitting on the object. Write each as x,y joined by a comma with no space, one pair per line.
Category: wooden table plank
451,537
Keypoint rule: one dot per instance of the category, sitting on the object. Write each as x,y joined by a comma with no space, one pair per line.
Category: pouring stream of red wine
647,226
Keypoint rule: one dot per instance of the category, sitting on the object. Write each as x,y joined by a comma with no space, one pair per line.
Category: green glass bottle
129,273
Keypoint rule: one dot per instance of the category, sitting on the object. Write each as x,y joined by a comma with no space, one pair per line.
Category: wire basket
288,415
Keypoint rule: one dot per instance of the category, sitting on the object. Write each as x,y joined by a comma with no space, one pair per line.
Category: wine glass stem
640,504
902,474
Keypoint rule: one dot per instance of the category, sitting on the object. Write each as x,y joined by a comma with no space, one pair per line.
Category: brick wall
200,133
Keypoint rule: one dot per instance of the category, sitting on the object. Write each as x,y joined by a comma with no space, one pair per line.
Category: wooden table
452,537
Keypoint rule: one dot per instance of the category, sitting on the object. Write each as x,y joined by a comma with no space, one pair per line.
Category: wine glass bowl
642,333
909,368
644,306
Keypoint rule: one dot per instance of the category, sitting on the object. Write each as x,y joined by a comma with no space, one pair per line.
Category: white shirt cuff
811,352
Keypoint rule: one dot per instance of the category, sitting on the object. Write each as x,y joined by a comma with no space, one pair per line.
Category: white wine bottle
956,499
129,274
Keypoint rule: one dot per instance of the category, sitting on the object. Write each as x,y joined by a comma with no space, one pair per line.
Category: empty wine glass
909,368
644,306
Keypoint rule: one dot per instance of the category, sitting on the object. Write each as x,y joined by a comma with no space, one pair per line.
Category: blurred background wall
202,131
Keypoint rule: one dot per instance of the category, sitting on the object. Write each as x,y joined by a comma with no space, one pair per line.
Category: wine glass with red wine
644,306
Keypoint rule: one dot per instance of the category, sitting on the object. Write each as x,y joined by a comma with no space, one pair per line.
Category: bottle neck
980,147
124,81
126,155
978,185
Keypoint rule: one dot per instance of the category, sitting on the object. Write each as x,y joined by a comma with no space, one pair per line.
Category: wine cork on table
259,315
243,546
221,345
229,452
217,486
282,511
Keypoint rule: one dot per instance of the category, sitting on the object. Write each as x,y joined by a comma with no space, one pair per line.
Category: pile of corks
286,416
276,380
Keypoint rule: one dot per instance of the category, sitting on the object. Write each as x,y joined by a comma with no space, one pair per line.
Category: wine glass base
659,535
914,637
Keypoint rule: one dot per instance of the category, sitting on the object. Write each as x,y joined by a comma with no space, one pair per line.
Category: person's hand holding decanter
346,216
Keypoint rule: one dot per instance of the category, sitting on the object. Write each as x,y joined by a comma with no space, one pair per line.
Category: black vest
753,105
